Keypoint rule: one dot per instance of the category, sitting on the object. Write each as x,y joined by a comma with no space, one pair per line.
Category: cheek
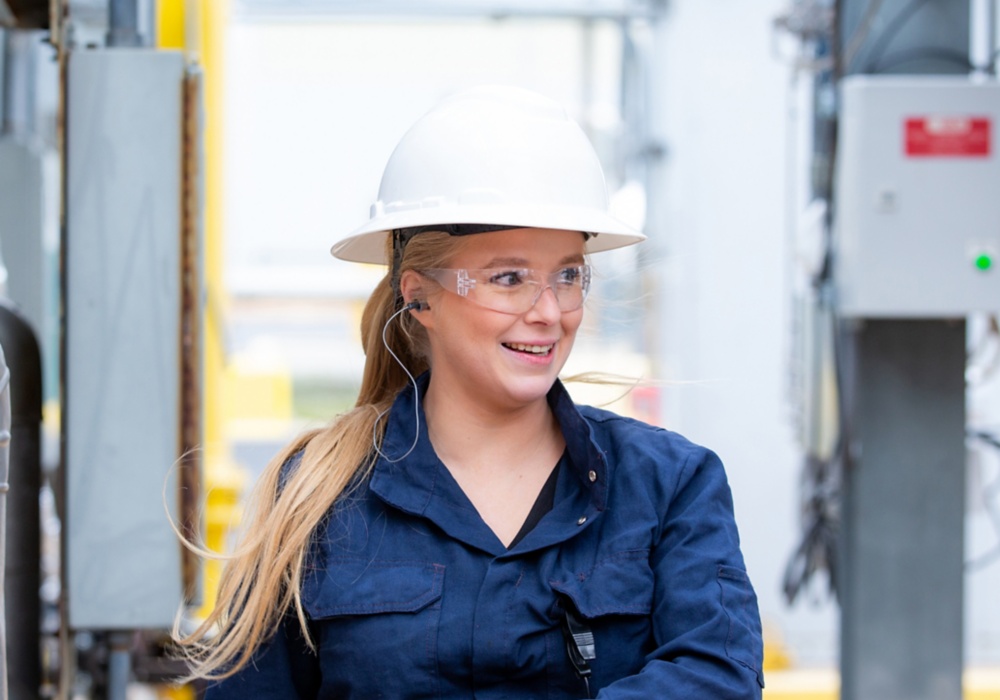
571,322
460,330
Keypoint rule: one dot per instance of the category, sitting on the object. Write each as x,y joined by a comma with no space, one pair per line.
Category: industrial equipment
917,215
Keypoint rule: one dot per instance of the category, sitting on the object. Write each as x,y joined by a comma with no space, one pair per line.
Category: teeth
534,349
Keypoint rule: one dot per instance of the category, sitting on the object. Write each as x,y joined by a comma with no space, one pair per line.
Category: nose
546,306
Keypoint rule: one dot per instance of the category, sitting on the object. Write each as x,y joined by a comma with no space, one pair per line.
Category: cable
861,32
991,502
822,489
890,32
822,475
818,548
416,391
981,370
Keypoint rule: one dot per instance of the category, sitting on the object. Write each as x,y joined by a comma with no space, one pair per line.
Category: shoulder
649,460
624,437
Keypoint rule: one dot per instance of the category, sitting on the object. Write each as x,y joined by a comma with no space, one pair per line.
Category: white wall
724,99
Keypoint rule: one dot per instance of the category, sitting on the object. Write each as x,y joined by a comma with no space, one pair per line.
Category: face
500,359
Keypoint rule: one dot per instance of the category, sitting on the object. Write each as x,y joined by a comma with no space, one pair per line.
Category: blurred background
818,180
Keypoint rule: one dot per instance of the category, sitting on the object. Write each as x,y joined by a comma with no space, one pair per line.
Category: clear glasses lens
515,290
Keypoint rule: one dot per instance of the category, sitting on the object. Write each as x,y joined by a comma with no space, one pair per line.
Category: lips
530,349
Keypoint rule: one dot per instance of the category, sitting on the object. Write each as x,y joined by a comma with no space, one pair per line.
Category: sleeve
706,624
283,668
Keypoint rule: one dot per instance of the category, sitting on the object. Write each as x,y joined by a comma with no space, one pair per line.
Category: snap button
592,475
582,520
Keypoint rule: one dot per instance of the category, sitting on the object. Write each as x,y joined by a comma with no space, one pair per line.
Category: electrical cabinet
123,337
917,197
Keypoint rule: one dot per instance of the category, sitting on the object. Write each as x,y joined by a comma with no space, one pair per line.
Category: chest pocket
373,617
615,599
622,584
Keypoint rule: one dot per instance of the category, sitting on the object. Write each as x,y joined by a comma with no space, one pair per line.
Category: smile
532,349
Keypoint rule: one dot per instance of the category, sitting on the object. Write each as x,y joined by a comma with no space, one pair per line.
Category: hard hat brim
367,244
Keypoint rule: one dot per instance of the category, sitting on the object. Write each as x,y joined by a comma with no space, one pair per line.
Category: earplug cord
416,392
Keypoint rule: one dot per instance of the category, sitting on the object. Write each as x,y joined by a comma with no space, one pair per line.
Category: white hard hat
491,156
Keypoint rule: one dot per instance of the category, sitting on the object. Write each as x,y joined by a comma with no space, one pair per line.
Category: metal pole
119,665
4,489
123,23
902,578
991,36
6,82
19,82
904,510
124,32
23,543
981,35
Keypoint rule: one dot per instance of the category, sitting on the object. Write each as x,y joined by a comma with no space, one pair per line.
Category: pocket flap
619,585
745,640
361,587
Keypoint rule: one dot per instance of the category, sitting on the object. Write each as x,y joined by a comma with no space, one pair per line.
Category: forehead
527,247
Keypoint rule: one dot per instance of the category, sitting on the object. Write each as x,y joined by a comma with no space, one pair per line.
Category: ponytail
262,579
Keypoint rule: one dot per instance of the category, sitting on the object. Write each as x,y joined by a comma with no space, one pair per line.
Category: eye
569,276
507,278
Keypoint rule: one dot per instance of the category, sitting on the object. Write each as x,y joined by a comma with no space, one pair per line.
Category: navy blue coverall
409,593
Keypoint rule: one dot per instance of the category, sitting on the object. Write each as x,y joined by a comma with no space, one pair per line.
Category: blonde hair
263,576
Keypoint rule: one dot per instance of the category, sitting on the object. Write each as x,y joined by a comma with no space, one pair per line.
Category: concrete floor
824,684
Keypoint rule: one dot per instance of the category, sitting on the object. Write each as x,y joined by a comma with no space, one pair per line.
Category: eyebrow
523,262
506,262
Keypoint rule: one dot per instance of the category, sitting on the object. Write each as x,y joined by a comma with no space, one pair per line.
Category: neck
480,437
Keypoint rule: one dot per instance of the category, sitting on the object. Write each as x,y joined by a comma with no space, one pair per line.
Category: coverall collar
421,484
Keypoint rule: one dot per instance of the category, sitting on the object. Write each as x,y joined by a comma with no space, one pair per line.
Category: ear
411,286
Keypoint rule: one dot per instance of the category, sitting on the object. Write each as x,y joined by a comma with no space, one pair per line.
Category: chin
530,391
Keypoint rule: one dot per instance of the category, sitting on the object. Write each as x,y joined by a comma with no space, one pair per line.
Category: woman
466,530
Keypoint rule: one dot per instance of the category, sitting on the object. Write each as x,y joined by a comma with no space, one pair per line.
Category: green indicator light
984,262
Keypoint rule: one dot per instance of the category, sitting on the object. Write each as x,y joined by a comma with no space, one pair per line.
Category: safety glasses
515,290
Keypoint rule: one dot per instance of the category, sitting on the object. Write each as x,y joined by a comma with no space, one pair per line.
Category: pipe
991,36
6,83
119,665
18,82
981,35
4,488
123,23
23,540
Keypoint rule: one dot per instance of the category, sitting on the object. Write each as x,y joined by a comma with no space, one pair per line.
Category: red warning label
967,137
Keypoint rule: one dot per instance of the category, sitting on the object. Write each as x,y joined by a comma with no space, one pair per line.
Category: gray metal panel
904,513
908,228
22,212
121,418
